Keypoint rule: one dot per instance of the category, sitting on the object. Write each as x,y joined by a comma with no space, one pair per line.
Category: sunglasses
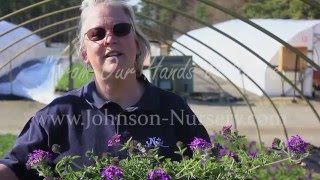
119,30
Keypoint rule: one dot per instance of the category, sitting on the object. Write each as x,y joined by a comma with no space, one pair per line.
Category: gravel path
298,118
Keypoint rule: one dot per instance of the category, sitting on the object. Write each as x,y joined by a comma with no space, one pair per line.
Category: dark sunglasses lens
96,34
121,29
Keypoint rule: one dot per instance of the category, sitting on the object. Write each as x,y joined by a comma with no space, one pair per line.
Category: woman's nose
110,38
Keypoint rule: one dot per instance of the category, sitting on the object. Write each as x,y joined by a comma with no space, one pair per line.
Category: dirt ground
298,117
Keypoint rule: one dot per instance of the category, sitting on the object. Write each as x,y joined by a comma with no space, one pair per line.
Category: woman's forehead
105,16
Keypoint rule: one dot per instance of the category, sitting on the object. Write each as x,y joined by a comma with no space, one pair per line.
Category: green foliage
79,75
202,12
284,9
285,170
193,8
206,163
6,143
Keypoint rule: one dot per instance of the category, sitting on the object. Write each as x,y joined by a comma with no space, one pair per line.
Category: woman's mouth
113,54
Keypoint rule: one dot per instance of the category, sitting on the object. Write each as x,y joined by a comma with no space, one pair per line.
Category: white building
9,38
299,33
36,80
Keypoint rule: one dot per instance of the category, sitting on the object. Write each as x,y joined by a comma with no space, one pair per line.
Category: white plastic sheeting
295,32
38,81
7,39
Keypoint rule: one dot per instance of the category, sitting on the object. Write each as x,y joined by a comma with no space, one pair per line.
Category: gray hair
143,43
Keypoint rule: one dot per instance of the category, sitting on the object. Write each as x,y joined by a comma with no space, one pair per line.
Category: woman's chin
108,75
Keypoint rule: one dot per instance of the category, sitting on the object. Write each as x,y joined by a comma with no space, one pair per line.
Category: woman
119,101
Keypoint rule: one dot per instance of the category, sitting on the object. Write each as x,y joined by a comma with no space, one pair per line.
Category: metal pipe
42,40
273,36
241,44
23,9
38,18
225,58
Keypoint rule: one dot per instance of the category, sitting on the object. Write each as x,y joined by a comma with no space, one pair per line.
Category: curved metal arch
242,45
245,98
38,30
24,9
230,62
219,86
38,18
273,36
42,40
215,81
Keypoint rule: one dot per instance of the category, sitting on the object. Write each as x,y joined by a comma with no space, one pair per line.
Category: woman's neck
125,92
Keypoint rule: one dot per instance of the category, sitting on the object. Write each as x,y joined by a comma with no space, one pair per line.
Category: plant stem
185,174
185,167
275,162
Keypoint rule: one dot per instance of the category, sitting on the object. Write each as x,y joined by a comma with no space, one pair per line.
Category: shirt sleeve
32,137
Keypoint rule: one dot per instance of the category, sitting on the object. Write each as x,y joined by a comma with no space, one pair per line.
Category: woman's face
112,54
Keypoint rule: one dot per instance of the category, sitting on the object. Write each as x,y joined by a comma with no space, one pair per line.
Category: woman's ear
85,57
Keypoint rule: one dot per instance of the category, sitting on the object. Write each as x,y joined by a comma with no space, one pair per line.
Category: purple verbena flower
308,176
222,151
288,168
296,144
253,154
275,168
158,174
199,143
114,139
231,153
111,172
226,129
234,156
252,144
38,158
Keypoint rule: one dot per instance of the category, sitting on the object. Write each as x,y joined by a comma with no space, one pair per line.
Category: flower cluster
296,144
199,143
234,156
38,158
158,174
252,151
227,156
111,172
226,130
114,139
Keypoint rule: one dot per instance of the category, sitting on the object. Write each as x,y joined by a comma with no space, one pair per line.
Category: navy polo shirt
81,120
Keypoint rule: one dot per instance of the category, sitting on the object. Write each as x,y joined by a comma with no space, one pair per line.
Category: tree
11,6
171,18
194,8
285,9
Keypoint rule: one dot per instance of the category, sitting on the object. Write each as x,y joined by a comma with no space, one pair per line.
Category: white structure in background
7,39
300,33
37,81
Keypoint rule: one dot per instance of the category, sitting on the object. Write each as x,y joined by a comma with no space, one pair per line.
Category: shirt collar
148,101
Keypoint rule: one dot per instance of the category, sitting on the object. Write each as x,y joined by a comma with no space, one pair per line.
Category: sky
134,2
